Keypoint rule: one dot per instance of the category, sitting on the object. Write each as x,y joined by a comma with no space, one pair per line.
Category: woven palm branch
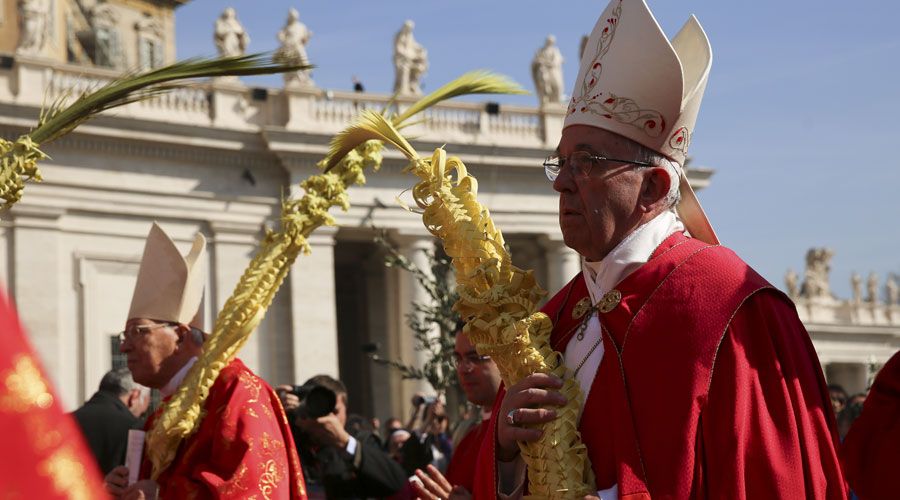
241,314
497,300
19,159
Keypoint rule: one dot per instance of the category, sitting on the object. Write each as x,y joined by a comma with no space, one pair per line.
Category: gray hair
118,382
197,336
655,159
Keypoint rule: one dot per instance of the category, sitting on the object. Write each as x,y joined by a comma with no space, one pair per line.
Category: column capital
412,239
552,241
36,216
323,236
239,232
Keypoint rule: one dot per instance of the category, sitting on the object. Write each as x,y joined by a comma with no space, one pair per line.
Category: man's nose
564,181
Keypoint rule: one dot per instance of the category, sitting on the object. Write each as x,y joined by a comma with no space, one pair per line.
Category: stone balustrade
229,104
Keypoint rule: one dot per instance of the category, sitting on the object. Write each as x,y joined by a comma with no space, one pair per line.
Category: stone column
313,309
563,263
231,247
412,245
36,285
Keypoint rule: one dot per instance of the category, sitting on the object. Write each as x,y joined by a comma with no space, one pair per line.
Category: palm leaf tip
471,83
370,125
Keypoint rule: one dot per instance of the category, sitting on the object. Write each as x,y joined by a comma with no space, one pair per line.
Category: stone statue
34,26
891,287
872,288
546,70
230,37
293,38
107,43
790,280
815,284
856,283
410,61
582,46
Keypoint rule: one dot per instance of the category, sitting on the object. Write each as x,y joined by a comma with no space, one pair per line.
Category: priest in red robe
699,380
243,447
871,450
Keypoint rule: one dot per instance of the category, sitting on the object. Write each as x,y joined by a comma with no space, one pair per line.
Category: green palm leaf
473,82
18,160
136,87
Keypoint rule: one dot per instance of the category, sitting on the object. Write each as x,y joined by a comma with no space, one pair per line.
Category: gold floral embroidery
254,386
43,433
269,478
236,484
270,445
67,473
25,387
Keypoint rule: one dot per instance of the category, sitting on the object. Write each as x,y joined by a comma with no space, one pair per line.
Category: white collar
172,385
631,253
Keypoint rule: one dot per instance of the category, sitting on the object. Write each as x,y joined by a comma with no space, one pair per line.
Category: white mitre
635,83
170,287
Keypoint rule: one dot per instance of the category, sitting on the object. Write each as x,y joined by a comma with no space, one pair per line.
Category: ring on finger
511,416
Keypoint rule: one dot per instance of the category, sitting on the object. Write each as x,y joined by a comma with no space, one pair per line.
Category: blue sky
799,119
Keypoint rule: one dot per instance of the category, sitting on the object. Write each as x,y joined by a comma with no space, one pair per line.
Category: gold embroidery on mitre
25,388
269,478
581,307
625,110
609,301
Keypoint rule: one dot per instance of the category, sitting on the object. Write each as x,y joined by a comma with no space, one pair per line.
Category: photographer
336,464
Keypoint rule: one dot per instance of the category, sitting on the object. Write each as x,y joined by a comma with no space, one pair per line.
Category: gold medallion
609,301
581,307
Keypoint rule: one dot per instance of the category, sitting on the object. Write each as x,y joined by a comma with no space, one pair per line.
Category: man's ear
182,331
654,188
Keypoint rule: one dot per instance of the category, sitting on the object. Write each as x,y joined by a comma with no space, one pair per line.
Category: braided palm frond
241,314
499,303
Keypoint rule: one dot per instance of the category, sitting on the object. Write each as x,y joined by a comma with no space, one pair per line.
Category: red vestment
243,448
709,386
461,471
44,453
871,449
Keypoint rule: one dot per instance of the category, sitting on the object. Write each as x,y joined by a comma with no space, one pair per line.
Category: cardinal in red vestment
699,379
243,447
871,449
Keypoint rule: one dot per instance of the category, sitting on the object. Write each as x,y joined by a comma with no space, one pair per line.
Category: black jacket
369,472
104,421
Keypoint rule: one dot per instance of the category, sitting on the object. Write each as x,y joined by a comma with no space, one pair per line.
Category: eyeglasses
130,334
580,163
472,360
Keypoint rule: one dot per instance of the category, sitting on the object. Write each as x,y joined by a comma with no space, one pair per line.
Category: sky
799,119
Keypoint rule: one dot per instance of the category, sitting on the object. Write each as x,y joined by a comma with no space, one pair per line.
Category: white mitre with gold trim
170,287
635,83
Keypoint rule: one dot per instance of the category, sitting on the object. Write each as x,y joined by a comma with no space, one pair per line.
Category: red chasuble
871,450
243,448
709,386
461,471
44,454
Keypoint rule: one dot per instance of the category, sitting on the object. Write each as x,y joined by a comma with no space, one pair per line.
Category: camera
423,400
315,400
